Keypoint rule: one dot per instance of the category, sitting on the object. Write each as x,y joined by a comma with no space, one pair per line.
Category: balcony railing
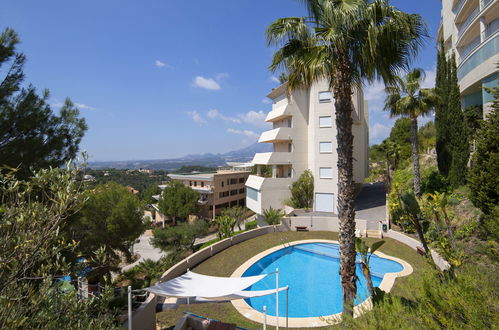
459,7
468,21
491,28
485,3
464,51
485,51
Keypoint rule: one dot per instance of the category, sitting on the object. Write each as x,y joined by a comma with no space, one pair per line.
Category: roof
278,91
193,176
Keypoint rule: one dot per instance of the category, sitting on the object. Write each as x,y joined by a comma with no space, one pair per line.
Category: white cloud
274,79
266,101
429,81
206,83
196,117
255,118
159,64
247,133
84,106
222,75
378,132
214,113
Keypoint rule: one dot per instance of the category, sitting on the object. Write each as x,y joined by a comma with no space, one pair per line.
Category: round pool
312,272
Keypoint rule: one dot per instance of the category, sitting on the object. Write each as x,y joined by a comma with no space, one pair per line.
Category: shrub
302,191
434,182
251,225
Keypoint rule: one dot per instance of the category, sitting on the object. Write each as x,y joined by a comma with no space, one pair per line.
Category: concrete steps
374,233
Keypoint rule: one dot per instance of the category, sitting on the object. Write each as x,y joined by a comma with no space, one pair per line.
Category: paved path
370,204
145,250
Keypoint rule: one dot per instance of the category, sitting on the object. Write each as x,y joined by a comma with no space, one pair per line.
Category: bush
302,191
434,182
273,216
251,225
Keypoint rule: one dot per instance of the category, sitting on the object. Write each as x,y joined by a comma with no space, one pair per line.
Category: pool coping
299,322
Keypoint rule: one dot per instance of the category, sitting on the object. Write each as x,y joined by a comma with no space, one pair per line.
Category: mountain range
208,159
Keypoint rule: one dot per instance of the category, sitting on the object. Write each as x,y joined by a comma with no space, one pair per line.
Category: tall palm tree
345,42
407,98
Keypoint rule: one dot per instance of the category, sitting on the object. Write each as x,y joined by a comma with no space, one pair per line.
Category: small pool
312,271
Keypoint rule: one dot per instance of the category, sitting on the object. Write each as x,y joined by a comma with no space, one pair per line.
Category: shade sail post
264,317
277,298
287,307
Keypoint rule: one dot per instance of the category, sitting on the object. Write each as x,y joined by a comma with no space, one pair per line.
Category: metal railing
468,21
464,51
459,6
491,28
485,3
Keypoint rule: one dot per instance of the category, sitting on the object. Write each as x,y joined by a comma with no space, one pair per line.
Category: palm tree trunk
415,157
346,213
419,229
369,280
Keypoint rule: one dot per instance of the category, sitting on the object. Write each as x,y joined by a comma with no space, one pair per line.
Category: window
241,191
290,147
202,184
325,121
195,183
222,184
325,147
233,181
290,122
325,96
233,192
223,194
325,173
190,183
241,180
252,193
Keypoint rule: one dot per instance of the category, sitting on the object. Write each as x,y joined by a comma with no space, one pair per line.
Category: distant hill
208,159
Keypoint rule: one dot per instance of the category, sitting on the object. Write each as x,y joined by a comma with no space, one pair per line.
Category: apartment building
303,137
217,190
469,28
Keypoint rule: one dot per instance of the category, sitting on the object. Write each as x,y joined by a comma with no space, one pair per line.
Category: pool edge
298,322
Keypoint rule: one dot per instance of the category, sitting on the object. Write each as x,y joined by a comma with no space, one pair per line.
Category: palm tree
238,213
345,42
366,252
273,216
407,98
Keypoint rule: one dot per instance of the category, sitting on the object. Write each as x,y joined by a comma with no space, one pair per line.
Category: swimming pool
311,270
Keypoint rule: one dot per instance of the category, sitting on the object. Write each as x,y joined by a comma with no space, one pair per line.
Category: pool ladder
284,241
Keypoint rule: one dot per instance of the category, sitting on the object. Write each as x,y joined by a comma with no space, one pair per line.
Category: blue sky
159,79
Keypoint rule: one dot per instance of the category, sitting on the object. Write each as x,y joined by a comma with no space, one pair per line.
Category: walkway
370,204
145,250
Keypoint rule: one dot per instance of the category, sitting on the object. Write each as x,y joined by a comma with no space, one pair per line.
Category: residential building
217,190
469,28
304,137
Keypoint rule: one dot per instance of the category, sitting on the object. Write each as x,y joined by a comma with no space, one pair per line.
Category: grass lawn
227,261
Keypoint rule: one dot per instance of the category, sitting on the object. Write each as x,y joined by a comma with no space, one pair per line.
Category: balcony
481,54
280,134
279,113
491,28
466,50
459,6
464,25
272,158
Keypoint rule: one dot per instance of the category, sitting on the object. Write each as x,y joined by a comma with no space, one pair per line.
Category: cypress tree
441,117
459,146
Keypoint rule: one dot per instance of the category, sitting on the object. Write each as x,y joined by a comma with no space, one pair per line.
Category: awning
191,285
242,295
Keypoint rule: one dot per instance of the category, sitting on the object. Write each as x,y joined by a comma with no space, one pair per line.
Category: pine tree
441,117
458,142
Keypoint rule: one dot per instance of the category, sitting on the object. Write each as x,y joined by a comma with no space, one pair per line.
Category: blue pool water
312,271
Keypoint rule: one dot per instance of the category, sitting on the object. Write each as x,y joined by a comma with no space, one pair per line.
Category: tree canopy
302,191
178,201
111,217
31,134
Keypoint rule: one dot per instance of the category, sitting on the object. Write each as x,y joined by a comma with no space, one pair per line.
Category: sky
165,78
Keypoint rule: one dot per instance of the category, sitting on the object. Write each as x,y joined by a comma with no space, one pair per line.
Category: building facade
469,28
218,190
303,137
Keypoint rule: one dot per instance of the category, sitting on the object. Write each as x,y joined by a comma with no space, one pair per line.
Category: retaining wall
144,317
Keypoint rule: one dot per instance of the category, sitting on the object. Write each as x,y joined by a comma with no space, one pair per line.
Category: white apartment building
304,137
469,28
